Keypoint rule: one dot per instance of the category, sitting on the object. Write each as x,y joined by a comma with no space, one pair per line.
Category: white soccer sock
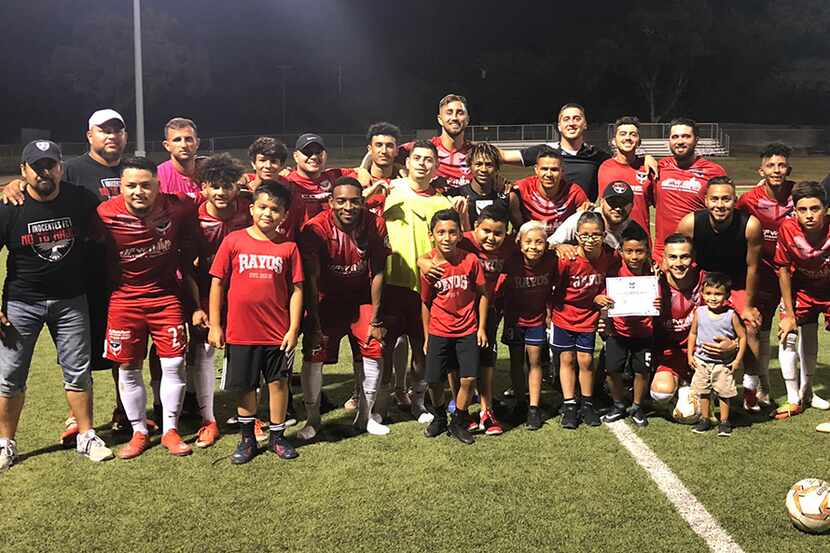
808,355
172,390
763,361
787,358
133,397
203,375
312,380
751,382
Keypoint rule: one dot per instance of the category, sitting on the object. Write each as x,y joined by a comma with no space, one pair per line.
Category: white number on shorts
174,334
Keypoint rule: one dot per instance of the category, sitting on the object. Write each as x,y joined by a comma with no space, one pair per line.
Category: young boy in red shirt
263,276
574,316
454,332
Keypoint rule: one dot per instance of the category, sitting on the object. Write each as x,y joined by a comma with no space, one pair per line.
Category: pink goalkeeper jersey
173,182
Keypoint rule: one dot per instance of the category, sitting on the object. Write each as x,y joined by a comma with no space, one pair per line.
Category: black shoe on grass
702,426
589,415
615,414
282,447
245,451
725,430
534,418
438,425
638,417
458,428
570,416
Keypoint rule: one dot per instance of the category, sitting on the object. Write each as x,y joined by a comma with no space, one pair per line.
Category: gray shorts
68,324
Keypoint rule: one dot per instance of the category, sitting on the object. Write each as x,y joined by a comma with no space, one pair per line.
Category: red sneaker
489,424
261,430
207,434
174,444
70,432
136,446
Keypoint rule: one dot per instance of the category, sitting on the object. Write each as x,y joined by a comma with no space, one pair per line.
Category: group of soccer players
425,247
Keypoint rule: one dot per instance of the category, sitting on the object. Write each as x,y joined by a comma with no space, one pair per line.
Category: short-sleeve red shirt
527,289
491,262
809,263
578,282
537,207
317,191
770,213
452,298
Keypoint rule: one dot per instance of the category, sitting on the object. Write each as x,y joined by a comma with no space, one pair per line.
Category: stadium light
140,149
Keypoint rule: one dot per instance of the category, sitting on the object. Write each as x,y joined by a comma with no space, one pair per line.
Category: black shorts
487,356
245,364
619,349
451,354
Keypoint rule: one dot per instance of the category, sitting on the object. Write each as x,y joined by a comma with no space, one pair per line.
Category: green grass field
551,490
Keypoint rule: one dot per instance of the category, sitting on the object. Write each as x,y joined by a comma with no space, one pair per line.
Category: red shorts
130,323
402,314
675,361
338,319
807,309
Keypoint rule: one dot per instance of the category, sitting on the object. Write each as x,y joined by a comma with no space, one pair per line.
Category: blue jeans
68,324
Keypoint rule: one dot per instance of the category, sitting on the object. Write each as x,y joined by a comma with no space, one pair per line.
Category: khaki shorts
713,376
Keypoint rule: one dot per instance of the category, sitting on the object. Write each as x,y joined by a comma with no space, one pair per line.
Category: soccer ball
808,504
687,408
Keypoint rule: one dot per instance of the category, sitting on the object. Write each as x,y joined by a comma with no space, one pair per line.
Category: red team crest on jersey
641,176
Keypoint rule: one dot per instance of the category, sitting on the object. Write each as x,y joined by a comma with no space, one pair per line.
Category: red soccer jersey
452,298
771,214
345,261
578,283
676,313
492,263
452,164
808,263
538,207
640,181
316,192
527,289
679,192
212,230
631,327
149,250
259,275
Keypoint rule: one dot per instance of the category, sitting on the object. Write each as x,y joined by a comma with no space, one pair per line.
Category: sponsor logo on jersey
115,337
156,249
349,270
531,281
51,240
770,235
691,185
248,262
491,266
642,176
453,282
586,281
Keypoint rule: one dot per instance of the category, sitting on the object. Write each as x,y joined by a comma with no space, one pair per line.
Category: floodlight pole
140,149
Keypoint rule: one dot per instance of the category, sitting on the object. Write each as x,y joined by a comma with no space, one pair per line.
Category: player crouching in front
263,276
449,316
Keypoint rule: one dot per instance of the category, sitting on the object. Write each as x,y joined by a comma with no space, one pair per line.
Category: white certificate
633,296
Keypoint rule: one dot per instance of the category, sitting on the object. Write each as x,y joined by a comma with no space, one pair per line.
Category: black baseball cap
619,189
36,150
309,138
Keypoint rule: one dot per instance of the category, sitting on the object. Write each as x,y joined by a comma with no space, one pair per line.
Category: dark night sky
217,61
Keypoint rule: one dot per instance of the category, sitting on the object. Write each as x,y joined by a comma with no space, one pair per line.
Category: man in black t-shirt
45,286
484,189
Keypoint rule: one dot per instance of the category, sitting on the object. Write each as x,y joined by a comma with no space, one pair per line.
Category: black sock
246,427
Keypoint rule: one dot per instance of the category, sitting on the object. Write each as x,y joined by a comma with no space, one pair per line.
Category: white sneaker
820,403
307,432
823,427
425,417
92,447
375,428
233,421
8,455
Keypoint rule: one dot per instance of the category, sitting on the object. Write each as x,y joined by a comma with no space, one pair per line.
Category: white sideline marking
692,510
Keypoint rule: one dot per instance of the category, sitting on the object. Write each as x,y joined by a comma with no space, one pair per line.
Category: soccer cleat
437,426
589,415
823,427
615,414
724,429
702,426
570,416
307,432
70,432
402,400
787,410
92,447
8,455
282,447
119,421
137,445
472,423
534,418
638,417
207,434
489,424
751,401
244,452
376,428
261,430
174,444
458,428
819,403
351,405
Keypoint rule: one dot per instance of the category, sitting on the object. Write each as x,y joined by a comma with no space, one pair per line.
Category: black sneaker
589,416
725,430
282,447
458,429
534,418
638,417
438,425
245,451
616,413
570,417
702,426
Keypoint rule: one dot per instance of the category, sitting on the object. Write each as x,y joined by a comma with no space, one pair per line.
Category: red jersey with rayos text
259,276
491,262
808,261
452,163
578,282
536,206
679,192
149,250
317,191
527,289
212,230
452,298
345,259
640,181
631,327
771,214
676,312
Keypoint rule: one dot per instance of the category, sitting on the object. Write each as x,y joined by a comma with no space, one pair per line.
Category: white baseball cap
103,115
